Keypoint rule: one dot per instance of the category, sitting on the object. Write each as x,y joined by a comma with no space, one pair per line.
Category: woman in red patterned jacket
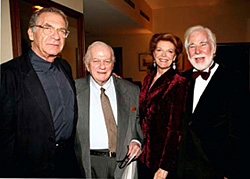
162,104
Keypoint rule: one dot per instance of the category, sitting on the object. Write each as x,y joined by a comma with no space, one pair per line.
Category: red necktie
203,74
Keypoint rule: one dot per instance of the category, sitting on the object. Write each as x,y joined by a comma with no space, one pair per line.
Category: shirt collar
106,86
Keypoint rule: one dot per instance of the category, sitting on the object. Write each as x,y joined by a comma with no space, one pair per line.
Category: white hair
189,31
88,55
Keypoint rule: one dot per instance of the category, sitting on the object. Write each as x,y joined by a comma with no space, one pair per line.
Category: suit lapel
34,86
83,99
123,113
190,97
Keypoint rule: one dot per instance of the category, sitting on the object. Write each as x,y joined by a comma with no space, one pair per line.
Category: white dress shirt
98,130
201,84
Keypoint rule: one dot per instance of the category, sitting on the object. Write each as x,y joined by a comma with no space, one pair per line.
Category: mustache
199,56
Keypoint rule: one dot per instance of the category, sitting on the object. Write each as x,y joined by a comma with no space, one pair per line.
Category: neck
49,59
161,71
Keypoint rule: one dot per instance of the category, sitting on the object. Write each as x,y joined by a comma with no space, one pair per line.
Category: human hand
134,149
117,76
161,174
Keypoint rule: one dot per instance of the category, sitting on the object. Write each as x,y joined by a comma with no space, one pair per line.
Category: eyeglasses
49,30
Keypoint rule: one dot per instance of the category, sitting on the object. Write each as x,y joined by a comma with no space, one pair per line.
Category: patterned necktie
203,74
109,120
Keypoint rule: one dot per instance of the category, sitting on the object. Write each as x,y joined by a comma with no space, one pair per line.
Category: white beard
201,66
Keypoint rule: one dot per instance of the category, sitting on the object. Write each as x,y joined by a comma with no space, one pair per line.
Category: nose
197,49
55,35
164,53
102,65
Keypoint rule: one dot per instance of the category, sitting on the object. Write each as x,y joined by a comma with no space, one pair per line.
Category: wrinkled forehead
51,18
100,51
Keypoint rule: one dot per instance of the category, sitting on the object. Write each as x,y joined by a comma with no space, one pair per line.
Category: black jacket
215,133
27,135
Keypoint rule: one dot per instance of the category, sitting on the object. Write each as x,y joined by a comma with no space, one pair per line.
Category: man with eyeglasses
38,105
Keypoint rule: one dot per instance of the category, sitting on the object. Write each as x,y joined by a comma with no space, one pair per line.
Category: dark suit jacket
212,145
127,95
162,109
27,135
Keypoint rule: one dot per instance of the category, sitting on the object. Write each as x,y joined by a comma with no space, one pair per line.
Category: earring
154,64
174,65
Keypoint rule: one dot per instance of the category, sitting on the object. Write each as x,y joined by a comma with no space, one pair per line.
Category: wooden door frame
16,29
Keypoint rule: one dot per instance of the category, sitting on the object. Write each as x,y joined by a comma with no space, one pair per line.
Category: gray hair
34,17
190,30
88,55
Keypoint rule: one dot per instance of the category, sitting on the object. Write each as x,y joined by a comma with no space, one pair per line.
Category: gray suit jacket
128,121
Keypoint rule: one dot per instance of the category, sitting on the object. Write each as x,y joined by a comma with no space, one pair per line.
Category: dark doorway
118,64
236,56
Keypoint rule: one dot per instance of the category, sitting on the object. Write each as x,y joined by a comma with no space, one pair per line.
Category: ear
215,48
30,34
174,58
87,66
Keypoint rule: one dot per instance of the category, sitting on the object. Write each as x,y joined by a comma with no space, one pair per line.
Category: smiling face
100,64
47,46
200,50
164,55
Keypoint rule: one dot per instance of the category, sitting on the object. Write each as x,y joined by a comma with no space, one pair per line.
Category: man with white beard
214,134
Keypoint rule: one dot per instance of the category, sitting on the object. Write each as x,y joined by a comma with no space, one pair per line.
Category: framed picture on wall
145,61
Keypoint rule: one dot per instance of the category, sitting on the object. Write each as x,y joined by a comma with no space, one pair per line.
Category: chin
201,66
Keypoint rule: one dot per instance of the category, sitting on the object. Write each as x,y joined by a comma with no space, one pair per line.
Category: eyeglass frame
54,29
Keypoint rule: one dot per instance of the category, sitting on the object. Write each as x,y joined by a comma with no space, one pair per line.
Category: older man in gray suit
95,155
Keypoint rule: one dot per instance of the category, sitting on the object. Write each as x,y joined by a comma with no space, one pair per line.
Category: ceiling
101,18
159,4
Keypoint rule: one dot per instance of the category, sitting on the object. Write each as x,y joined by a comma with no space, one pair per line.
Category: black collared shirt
59,93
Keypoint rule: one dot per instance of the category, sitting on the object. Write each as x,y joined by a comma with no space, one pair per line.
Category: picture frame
145,61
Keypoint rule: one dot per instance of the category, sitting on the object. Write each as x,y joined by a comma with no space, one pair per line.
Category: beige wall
131,45
230,21
6,40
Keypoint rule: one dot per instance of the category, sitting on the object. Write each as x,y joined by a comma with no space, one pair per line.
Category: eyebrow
204,41
46,24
